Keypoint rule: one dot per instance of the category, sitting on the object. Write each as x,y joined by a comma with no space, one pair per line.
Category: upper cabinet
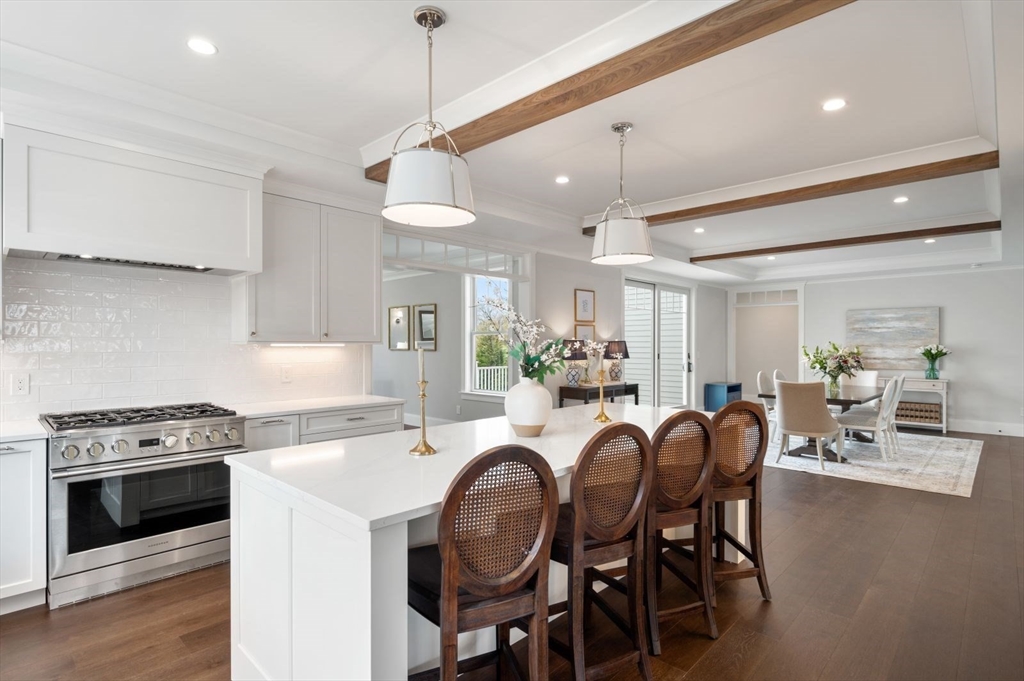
321,277
66,196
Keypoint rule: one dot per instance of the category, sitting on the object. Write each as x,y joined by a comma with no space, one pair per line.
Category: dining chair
778,376
803,412
868,378
879,423
741,442
490,565
684,448
604,523
764,386
902,378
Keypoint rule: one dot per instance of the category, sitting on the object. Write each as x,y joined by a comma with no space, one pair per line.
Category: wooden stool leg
576,614
502,638
449,652
719,526
754,508
659,568
636,609
538,647
651,587
702,569
588,596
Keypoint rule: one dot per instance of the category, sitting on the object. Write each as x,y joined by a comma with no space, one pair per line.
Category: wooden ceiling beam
910,235
724,29
889,178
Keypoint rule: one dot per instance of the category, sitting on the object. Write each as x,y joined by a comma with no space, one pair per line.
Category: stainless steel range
136,495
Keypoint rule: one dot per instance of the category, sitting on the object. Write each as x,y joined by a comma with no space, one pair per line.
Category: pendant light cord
622,151
430,82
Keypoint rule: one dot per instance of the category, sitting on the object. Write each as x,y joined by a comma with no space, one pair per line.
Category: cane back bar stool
490,565
604,523
741,437
684,447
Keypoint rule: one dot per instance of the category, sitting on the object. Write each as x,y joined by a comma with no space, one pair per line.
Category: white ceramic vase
528,407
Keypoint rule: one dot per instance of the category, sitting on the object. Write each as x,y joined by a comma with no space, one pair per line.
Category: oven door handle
147,465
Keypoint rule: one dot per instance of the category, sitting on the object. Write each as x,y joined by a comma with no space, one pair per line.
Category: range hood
97,260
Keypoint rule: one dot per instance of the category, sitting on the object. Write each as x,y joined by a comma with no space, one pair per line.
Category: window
488,355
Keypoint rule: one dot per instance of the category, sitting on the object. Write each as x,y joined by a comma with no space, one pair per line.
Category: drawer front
350,432
343,419
924,384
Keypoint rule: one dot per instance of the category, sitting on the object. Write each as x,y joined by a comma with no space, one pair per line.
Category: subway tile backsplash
100,336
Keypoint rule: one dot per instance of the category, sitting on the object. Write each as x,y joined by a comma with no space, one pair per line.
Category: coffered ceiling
318,91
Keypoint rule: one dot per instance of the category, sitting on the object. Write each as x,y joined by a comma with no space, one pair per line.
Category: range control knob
170,440
194,438
95,449
214,435
232,433
70,452
120,446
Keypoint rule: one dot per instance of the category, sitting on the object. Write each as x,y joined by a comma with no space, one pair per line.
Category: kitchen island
320,534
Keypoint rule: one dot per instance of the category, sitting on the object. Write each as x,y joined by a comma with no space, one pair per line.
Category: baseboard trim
987,427
414,420
29,599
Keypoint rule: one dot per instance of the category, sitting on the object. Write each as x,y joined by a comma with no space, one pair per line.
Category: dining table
844,397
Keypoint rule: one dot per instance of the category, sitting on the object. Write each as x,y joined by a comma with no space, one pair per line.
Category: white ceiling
315,88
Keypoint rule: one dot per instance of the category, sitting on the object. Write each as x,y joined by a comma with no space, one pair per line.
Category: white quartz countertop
28,429
264,409
373,481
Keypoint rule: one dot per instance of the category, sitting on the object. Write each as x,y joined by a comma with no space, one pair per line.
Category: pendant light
428,187
622,239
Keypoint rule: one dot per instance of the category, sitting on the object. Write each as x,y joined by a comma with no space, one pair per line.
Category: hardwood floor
869,582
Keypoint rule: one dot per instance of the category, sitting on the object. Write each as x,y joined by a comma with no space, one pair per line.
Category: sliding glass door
657,334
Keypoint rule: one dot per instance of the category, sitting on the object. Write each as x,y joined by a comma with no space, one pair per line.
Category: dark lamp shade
578,354
616,349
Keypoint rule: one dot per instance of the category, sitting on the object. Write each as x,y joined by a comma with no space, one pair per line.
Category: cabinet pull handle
325,334
356,418
6,448
269,421
252,333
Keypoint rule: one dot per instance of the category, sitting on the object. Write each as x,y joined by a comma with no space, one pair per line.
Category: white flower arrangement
537,358
933,352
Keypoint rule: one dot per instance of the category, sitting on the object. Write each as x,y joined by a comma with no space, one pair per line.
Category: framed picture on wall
586,301
585,332
425,332
398,327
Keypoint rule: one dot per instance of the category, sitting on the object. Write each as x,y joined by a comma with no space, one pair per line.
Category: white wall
981,321
94,336
555,282
710,340
395,371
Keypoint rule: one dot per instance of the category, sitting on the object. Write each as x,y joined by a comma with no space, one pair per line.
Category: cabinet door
272,432
284,299
351,275
22,517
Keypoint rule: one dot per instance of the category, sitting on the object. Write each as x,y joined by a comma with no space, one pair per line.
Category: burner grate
132,415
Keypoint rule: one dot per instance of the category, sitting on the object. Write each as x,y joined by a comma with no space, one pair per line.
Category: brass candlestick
423,447
601,416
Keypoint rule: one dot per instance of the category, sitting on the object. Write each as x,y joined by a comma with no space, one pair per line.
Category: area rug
944,465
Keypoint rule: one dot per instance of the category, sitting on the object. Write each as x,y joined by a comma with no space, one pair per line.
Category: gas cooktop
113,418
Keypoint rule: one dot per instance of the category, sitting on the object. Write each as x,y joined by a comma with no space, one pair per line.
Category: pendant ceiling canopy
428,186
622,237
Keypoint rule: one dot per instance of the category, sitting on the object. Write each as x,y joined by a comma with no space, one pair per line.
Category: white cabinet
272,432
321,278
350,270
71,196
22,524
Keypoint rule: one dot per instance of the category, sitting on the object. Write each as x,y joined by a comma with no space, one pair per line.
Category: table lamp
616,351
577,354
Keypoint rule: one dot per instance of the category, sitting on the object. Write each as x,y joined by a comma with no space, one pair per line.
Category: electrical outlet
286,373
19,383
458,410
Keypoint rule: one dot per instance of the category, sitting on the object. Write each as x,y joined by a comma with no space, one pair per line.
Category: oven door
106,514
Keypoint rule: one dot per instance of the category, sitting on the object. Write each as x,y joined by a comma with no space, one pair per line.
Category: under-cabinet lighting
307,345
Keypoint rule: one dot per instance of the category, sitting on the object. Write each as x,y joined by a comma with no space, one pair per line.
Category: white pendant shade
428,188
622,241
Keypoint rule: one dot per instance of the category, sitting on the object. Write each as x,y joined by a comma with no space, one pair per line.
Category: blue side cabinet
717,395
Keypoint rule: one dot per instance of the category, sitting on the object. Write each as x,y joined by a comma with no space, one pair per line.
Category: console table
590,392
938,386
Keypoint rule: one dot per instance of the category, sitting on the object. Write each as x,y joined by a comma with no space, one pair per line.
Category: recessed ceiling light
771,257
200,267
201,46
562,179
85,257
698,230
929,241
900,199
834,104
